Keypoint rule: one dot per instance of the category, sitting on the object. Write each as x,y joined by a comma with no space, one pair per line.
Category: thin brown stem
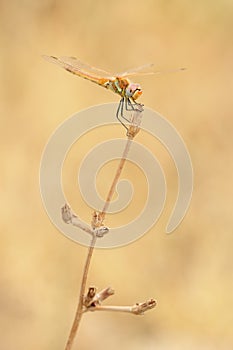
131,133
69,218
116,178
79,311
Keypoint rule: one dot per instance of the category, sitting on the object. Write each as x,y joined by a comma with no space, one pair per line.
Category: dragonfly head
133,91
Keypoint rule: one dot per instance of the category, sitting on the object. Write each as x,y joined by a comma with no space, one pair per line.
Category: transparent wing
77,67
86,67
147,69
141,70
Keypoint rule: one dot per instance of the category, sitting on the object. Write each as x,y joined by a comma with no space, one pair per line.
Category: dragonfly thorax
119,85
124,88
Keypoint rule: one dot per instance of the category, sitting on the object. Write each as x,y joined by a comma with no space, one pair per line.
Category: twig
137,309
104,294
98,230
131,133
93,299
70,218
116,178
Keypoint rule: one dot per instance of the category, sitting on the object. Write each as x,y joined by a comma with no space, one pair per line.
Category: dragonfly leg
119,113
131,105
126,105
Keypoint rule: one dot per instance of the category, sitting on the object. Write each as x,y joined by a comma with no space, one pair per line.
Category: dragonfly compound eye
133,90
136,93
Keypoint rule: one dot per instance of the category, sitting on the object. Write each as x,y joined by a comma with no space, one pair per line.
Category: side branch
93,300
136,309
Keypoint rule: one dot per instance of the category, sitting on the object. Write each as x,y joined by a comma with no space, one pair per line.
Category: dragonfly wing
141,70
55,60
85,67
81,69
148,69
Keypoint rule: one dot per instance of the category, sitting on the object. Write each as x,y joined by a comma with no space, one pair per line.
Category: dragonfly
119,83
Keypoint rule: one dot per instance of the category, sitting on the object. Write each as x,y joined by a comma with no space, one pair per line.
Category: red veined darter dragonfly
120,84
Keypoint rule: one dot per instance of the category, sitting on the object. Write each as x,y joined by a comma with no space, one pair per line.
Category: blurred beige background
189,272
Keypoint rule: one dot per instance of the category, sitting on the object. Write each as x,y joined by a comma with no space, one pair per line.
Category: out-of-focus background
188,272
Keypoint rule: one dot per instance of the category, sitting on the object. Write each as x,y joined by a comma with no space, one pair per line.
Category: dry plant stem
127,309
78,314
136,309
116,178
79,311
